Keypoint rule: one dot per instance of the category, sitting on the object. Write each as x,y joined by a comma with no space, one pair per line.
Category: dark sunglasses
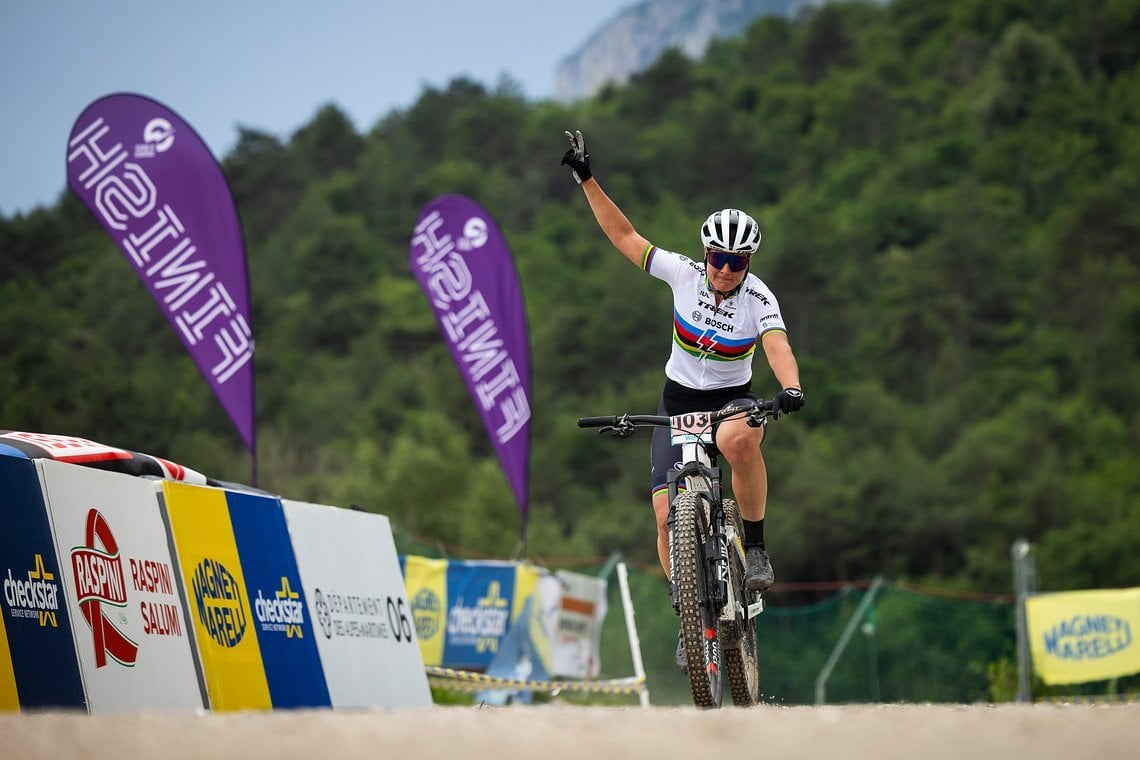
735,261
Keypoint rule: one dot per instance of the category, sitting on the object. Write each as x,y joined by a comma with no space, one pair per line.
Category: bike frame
699,472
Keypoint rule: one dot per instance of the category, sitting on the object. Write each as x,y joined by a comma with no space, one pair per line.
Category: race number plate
694,427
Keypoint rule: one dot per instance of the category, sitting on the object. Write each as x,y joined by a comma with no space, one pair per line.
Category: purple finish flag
466,271
159,193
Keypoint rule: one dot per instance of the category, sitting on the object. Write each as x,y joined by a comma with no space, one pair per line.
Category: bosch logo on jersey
36,597
727,327
218,599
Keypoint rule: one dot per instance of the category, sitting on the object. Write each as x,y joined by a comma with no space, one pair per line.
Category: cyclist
720,313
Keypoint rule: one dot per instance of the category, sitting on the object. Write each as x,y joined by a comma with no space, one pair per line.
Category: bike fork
716,554
674,594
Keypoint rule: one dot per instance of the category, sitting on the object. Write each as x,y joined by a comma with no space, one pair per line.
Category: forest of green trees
948,193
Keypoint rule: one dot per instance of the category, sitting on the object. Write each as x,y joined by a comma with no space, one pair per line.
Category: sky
268,65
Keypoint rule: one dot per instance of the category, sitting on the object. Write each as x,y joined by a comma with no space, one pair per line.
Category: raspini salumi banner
119,581
159,193
463,265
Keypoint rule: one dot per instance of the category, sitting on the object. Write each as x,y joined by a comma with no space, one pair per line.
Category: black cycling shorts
678,399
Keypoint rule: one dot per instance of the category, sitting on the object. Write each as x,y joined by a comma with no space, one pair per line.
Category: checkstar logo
99,581
37,597
283,612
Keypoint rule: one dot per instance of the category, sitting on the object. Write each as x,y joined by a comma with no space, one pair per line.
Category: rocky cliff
632,41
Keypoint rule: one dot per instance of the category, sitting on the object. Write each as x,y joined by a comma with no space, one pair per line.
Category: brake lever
623,429
757,414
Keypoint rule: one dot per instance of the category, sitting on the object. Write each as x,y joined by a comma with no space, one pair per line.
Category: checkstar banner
155,187
1082,636
465,269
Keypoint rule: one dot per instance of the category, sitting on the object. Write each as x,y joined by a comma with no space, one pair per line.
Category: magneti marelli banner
466,270
159,193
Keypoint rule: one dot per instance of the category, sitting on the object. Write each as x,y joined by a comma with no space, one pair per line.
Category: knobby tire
741,661
698,622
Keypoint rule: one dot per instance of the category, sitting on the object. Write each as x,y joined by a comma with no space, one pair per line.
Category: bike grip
591,422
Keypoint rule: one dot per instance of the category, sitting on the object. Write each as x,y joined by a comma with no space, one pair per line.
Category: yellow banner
9,697
1081,636
215,590
426,581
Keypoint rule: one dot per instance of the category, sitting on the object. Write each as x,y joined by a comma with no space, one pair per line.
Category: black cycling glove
577,158
789,400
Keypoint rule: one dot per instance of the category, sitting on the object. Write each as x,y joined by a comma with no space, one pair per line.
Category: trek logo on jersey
218,600
36,597
99,580
756,294
284,612
721,310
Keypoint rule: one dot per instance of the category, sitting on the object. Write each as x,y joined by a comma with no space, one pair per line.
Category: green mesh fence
907,645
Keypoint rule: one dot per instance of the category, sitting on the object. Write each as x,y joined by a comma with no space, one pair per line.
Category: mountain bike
706,552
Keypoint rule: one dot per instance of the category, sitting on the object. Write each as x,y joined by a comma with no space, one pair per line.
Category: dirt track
553,732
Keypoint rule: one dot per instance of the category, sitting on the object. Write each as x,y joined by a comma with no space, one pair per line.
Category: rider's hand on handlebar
577,158
789,400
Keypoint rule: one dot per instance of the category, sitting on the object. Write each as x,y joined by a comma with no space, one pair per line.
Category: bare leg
740,445
661,512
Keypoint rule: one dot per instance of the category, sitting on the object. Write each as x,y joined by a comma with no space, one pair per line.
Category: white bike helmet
731,230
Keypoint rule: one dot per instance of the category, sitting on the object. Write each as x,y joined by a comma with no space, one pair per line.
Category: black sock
753,533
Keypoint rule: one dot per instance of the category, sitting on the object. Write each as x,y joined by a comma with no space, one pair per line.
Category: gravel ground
552,732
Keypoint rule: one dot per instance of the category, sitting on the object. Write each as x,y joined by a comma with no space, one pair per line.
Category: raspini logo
98,572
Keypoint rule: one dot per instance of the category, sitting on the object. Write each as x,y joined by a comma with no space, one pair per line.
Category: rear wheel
739,644
698,622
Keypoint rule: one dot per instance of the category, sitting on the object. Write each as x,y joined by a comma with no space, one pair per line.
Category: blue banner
33,605
479,601
284,632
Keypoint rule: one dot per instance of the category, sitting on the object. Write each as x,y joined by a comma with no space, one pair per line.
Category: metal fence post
1024,584
821,680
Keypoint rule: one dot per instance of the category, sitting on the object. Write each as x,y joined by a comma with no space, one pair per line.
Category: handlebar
625,425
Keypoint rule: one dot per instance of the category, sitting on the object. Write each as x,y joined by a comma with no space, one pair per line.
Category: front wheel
740,656
698,621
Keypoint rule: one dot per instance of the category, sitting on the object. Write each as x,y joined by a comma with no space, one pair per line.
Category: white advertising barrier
130,629
574,606
357,600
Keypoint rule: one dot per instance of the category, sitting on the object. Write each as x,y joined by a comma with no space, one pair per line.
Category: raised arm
610,218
